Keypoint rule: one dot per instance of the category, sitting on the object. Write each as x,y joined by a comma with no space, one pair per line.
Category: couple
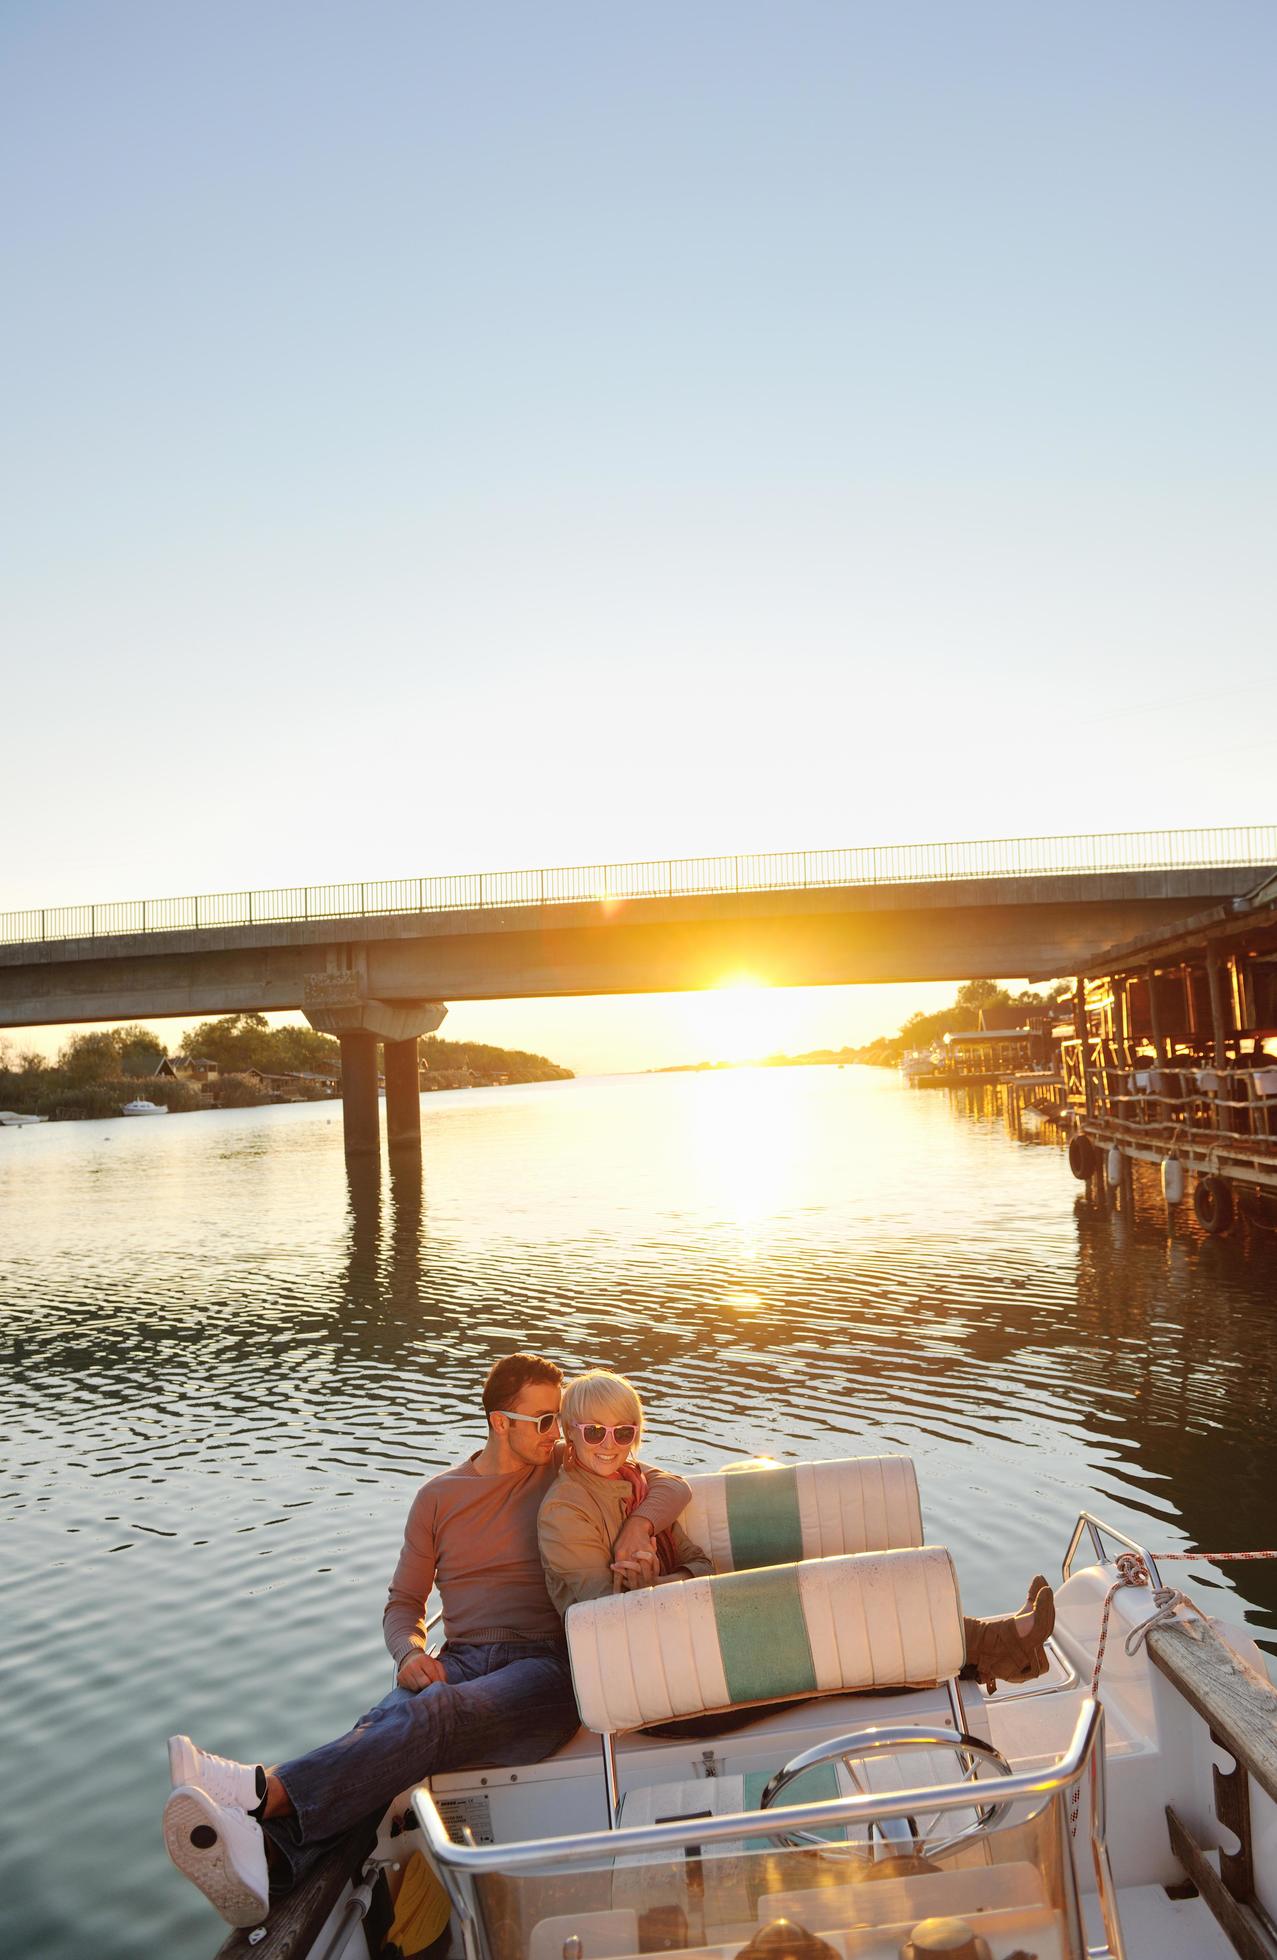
551,1510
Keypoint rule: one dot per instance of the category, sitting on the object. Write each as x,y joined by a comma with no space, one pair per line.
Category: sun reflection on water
746,1148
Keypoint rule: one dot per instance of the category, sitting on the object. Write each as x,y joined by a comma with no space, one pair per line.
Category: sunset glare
742,1020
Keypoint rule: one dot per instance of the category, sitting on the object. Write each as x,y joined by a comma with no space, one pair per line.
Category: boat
140,1107
918,1061
751,1782
13,1119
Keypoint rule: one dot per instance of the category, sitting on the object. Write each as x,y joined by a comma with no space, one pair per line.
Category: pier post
360,1121
1155,1017
1079,1028
403,1095
1121,1017
1216,1005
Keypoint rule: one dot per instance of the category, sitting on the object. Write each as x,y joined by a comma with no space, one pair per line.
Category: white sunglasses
544,1423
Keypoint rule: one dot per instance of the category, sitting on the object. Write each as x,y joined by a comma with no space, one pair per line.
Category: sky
459,438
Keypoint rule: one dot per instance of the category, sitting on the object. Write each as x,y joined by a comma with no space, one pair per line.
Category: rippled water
224,1370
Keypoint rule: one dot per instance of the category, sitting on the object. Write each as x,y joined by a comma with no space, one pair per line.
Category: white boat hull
1157,1753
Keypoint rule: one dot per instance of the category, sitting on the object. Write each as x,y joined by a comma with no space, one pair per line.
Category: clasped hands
636,1562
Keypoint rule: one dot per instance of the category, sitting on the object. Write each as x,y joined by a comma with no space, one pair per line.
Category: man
500,1692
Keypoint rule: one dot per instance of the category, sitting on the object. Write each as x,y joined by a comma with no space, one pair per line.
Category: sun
741,1017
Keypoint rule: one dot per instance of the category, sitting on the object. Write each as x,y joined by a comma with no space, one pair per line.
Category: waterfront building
1173,1058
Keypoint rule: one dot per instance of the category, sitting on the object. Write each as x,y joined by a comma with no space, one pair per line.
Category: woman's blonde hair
598,1396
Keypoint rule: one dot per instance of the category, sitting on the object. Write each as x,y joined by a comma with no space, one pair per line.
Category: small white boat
12,1119
140,1107
1055,1820
918,1061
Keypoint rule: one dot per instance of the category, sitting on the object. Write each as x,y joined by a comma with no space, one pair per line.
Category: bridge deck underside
1039,928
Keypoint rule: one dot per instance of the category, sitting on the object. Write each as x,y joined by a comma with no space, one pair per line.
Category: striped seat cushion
882,1619
747,1518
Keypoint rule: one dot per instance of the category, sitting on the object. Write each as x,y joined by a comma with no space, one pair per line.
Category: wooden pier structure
1171,1061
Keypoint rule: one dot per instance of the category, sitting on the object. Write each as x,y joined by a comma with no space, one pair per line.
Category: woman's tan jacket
577,1526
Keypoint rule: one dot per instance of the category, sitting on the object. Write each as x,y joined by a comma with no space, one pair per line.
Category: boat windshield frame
460,1866
1084,1751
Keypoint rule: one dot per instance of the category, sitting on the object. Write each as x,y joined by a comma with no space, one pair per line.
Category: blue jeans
507,1703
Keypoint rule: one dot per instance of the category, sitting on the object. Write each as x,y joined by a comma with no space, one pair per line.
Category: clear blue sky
447,438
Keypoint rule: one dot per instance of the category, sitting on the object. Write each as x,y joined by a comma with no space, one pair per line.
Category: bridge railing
878,864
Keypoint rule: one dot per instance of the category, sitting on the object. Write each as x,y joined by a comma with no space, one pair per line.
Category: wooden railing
1185,1099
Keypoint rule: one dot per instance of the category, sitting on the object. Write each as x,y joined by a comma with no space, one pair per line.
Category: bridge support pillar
338,1003
361,1123
403,1095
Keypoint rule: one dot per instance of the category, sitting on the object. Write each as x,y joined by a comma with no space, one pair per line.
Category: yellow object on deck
421,1909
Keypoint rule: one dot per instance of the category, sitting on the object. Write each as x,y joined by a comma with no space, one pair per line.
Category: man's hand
634,1540
419,1670
629,1574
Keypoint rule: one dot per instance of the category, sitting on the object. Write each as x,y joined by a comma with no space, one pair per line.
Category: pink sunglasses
594,1432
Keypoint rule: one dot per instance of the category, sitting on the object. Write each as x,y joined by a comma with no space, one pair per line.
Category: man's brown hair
514,1372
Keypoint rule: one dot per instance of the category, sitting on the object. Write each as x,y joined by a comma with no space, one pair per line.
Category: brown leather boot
1012,1646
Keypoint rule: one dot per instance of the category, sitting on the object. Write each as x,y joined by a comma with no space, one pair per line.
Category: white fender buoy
1172,1180
1115,1165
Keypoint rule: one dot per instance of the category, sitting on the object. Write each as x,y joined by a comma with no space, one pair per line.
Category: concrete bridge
373,962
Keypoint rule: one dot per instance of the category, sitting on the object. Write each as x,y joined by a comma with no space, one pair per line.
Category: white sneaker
221,1850
225,1781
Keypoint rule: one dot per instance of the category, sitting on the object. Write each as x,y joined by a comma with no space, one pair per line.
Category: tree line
96,1072
245,1041
925,1030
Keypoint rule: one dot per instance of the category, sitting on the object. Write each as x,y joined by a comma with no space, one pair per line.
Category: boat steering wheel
899,1837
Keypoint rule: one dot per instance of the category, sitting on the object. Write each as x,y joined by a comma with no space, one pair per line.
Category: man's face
524,1439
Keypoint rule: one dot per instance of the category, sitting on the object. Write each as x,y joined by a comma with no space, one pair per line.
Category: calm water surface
224,1370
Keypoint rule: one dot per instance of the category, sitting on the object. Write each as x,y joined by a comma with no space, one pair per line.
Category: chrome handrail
538,1853
1099,1530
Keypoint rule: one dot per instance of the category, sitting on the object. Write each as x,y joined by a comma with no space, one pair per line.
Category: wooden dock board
1238,1706
295,1920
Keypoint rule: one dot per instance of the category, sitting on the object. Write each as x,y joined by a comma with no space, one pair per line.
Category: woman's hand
419,1671
631,1574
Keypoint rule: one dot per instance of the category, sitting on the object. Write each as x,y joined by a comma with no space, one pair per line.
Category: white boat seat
821,1626
748,1518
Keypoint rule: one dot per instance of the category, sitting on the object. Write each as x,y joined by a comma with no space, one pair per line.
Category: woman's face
605,1455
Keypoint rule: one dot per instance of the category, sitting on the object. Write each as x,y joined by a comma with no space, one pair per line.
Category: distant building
988,1051
294,1085
189,1068
1007,1039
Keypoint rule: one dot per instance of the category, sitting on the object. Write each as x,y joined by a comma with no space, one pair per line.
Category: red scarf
663,1540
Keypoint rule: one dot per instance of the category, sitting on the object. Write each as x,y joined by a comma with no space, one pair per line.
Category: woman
599,1485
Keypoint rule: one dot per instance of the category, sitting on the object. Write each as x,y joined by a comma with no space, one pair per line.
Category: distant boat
143,1108
10,1119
